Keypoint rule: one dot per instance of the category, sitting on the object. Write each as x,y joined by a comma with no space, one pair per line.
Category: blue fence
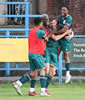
26,30
7,32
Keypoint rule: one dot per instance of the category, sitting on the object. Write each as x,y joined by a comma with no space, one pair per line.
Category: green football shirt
41,34
51,43
67,21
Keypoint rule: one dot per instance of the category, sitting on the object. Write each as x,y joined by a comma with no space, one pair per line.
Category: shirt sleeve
41,34
68,22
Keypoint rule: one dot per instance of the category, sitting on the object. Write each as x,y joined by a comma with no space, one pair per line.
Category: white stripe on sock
19,83
43,89
32,89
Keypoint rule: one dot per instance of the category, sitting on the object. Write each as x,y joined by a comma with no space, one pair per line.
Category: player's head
38,22
64,11
45,18
53,22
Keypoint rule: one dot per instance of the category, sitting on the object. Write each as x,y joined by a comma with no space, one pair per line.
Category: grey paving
55,79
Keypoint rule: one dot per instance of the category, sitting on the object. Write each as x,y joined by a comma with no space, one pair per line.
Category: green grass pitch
73,91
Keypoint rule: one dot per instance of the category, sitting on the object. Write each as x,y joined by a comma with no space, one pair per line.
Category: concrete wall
3,9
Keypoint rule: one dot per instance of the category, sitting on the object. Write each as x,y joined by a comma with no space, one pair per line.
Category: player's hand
69,37
46,39
51,33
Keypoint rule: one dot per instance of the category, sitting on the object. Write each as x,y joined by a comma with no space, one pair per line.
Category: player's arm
60,31
46,39
66,26
60,36
64,29
70,36
41,35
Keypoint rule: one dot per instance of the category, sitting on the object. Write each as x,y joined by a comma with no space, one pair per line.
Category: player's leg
43,82
52,72
47,60
25,78
47,68
32,85
51,75
17,85
41,67
59,51
66,45
53,64
47,76
67,65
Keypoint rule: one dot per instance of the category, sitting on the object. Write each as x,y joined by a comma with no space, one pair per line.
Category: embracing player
51,50
37,46
65,23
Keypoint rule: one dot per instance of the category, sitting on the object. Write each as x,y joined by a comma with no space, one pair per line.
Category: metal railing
26,30
7,31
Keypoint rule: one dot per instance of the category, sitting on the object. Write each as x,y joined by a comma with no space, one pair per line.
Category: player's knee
52,73
34,74
66,54
47,68
47,65
46,71
42,71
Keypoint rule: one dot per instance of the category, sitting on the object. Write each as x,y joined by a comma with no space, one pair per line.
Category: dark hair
52,18
37,21
66,7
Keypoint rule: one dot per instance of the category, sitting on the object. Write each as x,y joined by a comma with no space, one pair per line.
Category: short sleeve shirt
41,34
67,21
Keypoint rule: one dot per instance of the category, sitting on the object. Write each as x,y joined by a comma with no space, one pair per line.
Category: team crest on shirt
64,21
